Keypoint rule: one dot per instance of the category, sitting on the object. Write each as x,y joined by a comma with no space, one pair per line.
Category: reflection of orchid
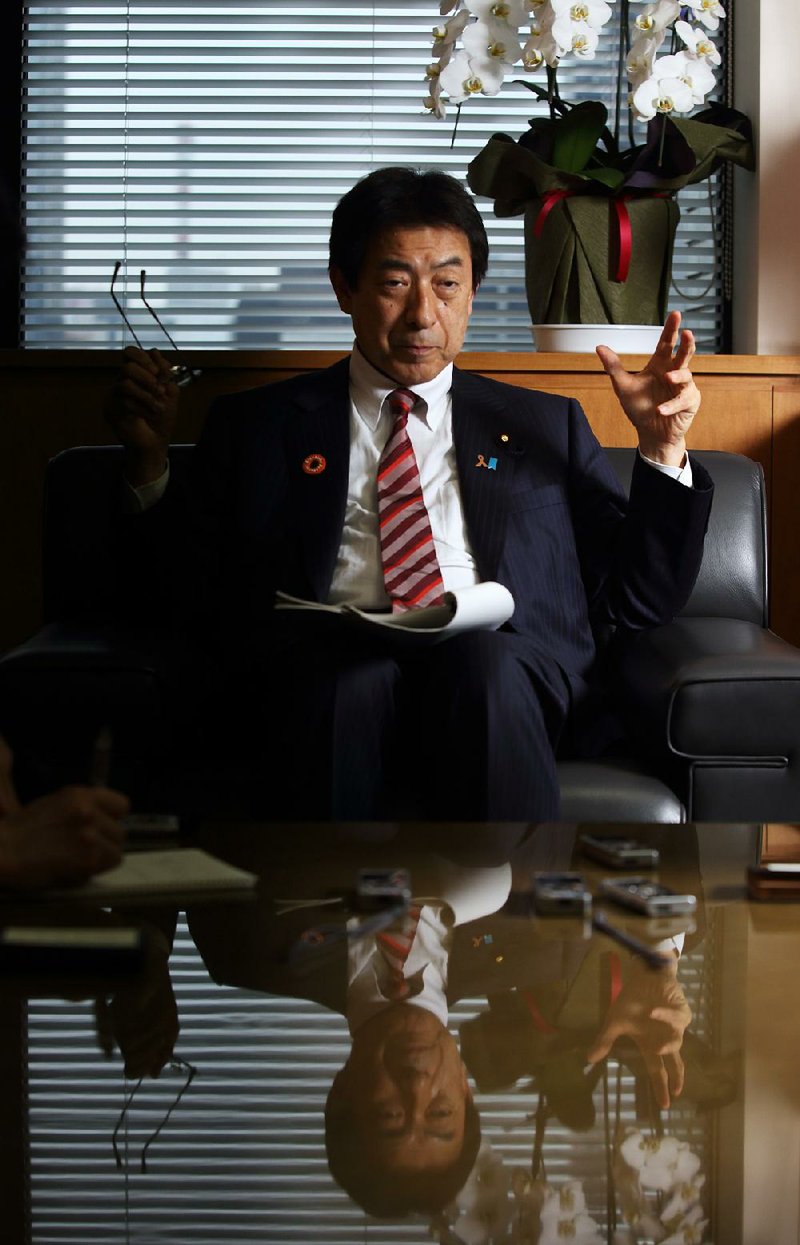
564,1217
667,1167
657,1190
481,1212
690,1230
684,1196
661,1162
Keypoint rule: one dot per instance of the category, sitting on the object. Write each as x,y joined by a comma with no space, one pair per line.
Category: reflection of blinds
242,1157
209,143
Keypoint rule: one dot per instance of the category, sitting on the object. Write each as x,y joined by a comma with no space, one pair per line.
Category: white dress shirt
466,895
358,575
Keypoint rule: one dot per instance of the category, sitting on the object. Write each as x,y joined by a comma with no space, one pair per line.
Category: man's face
413,301
408,1089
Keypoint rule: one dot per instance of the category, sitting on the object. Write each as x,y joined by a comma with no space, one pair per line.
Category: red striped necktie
411,570
394,944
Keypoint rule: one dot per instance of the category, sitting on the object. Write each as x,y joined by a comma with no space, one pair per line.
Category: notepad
186,873
483,607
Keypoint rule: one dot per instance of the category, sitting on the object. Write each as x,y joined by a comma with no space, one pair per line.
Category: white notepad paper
185,873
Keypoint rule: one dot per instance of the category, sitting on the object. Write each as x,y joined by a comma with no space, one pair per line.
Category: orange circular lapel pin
313,464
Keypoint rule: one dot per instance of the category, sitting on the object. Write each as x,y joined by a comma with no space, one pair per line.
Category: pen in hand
101,759
653,958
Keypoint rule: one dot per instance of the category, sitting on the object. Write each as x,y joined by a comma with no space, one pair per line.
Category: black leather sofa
713,698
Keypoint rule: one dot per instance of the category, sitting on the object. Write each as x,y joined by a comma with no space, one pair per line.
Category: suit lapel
486,457
318,459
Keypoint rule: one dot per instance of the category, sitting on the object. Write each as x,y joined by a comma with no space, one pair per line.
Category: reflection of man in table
401,1128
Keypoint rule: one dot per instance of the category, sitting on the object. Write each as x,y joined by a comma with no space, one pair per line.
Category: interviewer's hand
142,409
142,1017
651,1009
63,838
9,801
662,400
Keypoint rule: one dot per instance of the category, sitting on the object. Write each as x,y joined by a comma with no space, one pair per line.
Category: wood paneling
52,400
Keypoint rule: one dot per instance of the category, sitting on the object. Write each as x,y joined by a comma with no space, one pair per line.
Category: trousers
465,729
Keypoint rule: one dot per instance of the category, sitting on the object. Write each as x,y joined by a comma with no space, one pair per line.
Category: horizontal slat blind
242,1158
209,144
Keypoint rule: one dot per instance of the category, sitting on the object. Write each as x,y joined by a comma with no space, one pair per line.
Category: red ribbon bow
624,238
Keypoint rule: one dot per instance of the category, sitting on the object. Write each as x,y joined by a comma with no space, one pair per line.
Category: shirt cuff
682,474
675,943
143,498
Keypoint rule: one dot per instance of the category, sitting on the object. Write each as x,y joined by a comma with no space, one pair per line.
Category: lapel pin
314,464
504,441
491,465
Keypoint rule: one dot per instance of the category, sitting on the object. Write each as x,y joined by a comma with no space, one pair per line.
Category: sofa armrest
713,688
78,670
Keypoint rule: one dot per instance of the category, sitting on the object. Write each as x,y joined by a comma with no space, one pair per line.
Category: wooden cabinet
53,399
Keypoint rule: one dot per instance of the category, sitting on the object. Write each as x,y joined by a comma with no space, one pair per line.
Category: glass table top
414,1056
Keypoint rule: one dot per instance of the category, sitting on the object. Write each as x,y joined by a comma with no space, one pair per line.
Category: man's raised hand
662,400
142,409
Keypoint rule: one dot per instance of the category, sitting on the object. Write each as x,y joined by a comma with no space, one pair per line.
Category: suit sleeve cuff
682,474
143,498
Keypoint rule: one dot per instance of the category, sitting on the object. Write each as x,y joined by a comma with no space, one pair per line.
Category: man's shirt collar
369,389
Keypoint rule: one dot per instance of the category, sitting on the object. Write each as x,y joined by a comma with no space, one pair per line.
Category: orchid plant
573,157
493,48
658,1191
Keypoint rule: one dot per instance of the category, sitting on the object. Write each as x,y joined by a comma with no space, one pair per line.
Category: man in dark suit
289,491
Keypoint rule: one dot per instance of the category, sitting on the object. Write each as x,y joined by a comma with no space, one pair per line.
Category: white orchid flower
641,59
540,50
698,43
657,94
482,1209
446,34
447,6
697,74
684,1197
577,37
647,1226
489,1181
565,1202
660,1162
509,13
563,1217
708,12
464,77
595,12
491,40
658,16
690,1231
433,102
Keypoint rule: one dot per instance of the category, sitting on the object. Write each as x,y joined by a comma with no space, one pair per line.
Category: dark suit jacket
551,522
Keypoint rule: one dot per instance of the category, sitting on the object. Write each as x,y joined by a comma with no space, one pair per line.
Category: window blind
209,143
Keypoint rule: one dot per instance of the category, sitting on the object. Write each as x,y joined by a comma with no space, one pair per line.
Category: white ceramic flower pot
624,338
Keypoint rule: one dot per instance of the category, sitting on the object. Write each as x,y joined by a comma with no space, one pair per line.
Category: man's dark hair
390,1194
401,198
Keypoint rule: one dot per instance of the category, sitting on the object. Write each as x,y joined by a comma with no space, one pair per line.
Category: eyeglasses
182,373
175,1065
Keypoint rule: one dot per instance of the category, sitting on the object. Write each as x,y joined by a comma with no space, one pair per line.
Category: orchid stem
663,137
455,127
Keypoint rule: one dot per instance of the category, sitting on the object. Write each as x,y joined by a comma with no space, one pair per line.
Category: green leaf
613,178
577,135
713,143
